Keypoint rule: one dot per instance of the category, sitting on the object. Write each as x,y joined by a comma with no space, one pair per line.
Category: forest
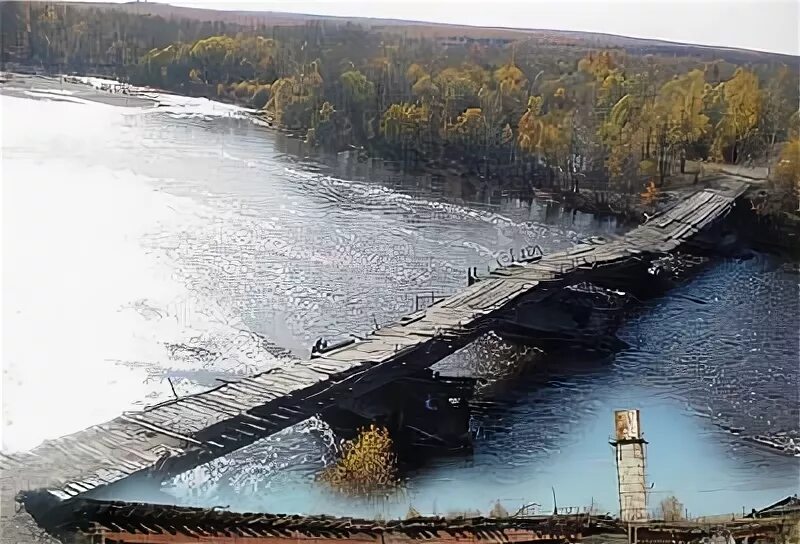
553,110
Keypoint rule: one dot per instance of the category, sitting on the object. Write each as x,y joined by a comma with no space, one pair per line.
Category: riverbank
74,89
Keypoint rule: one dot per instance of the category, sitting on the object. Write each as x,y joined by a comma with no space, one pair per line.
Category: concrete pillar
629,447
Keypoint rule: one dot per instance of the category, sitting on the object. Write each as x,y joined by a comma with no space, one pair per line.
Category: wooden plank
226,394
276,386
253,389
198,406
686,207
280,384
243,395
215,402
309,375
160,430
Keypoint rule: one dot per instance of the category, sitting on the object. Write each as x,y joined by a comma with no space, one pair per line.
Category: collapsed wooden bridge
177,435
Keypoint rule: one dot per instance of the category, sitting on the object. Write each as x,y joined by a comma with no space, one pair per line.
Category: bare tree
498,511
671,509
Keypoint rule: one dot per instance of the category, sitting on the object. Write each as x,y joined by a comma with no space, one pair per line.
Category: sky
764,25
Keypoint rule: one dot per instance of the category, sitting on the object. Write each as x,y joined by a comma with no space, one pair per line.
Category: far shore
628,206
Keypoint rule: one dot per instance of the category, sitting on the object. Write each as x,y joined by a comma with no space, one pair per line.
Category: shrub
367,465
242,90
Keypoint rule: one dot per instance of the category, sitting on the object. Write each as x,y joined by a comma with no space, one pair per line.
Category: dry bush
412,512
368,464
498,511
671,509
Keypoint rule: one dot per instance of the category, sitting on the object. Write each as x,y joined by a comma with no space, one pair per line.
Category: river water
141,244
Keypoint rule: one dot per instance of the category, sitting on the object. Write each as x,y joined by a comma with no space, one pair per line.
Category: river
142,243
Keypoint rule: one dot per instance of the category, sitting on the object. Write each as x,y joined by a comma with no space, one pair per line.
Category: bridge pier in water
425,414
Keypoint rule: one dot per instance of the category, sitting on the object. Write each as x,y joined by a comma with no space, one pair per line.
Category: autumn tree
546,136
450,91
679,118
471,133
787,174
215,56
406,125
625,135
367,464
779,102
282,95
359,96
740,98
508,97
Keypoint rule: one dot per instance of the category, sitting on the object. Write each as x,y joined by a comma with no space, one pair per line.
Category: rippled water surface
145,243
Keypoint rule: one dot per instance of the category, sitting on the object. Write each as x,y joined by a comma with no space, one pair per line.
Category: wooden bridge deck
179,434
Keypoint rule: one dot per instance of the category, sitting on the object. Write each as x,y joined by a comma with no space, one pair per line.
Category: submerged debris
493,359
676,266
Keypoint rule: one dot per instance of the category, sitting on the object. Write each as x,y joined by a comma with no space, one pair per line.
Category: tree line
552,113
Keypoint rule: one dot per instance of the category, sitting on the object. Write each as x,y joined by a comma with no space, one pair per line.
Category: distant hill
448,31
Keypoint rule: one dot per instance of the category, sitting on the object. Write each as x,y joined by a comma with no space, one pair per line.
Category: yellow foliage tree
678,119
455,89
680,105
471,127
282,95
741,100
787,171
510,78
624,133
214,51
415,72
545,136
425,89
509,94
368,464
599,65
530,131
406,124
